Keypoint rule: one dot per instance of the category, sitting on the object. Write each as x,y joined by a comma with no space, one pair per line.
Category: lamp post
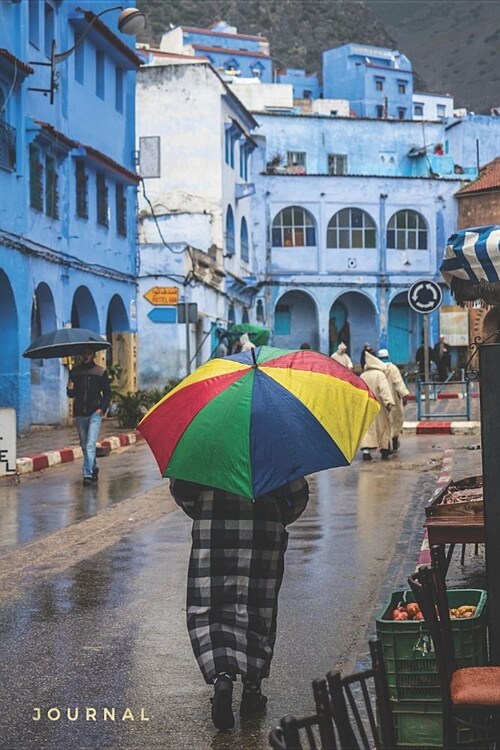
130,21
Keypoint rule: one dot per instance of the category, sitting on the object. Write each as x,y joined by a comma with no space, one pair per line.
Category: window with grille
379,84
418,110
99,73
401,113
294,227
51,188
36,179
351,228
407,230
121,210
82,193
380,111
8,142
119,89
337,164
401,87
102,200
296,162
244,244
230,233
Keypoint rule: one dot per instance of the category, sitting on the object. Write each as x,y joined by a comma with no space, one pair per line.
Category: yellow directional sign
163,295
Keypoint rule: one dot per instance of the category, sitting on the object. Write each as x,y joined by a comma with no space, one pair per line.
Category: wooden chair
345,717
471,695
355,701
315,732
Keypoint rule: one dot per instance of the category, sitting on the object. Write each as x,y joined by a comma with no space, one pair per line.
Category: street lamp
130,21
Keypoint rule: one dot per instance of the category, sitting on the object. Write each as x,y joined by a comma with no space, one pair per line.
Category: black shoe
252,701
395,444
95,475
222,703
385,454
367,457
87,481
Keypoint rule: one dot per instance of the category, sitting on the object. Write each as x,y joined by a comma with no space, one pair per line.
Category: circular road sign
425,296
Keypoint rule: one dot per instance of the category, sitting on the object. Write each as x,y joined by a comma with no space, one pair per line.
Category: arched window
407,230
230,235
351,228
244,245
294,227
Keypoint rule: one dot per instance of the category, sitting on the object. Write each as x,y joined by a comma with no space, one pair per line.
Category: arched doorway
121,358
9,361
356,321
296,321
404,330
83,311
45,373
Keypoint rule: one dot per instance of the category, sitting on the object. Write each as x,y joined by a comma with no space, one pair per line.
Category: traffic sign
163,295
425,296
163,314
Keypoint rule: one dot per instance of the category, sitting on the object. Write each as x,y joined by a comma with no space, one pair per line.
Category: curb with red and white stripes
424,556
28,464
441,428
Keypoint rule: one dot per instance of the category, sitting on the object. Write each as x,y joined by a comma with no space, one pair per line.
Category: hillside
298,29
453,44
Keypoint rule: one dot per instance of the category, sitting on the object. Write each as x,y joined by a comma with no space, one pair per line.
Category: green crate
418,725
411,674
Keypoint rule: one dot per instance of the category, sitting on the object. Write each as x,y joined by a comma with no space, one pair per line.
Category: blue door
399,334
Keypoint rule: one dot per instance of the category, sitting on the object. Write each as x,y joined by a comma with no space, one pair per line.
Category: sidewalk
44,447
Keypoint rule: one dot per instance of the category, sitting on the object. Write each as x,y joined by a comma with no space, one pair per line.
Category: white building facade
194,215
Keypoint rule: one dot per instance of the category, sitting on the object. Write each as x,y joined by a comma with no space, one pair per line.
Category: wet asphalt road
109,631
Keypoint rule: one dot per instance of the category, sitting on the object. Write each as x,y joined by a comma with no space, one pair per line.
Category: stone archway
122,354
357,315
84,311
45,373
9,360
296,321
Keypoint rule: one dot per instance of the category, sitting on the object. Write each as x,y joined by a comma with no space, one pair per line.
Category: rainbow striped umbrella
251,422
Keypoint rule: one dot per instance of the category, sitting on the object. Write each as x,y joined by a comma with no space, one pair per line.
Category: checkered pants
235,574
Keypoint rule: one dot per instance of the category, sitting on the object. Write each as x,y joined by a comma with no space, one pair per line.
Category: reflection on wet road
110,631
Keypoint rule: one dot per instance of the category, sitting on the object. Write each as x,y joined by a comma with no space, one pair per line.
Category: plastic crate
418,725
412,674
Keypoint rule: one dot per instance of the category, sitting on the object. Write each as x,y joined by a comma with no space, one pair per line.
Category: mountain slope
453,44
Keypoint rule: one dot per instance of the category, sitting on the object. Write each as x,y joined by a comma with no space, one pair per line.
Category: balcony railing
7,146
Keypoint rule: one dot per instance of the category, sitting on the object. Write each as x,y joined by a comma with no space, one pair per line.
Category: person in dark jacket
89,385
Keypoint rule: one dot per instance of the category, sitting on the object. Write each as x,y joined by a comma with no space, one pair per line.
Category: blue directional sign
425,296
163,314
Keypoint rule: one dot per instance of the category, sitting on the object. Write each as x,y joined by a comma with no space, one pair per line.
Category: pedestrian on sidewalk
379,432
399,393
234,577
89,385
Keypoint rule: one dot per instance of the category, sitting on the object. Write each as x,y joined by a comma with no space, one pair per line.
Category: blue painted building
344,239
378,82
67,193
226,50
305,85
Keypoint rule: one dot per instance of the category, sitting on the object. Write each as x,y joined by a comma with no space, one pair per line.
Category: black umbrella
65,342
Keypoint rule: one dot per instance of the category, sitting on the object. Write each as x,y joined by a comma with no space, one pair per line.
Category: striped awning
471,264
